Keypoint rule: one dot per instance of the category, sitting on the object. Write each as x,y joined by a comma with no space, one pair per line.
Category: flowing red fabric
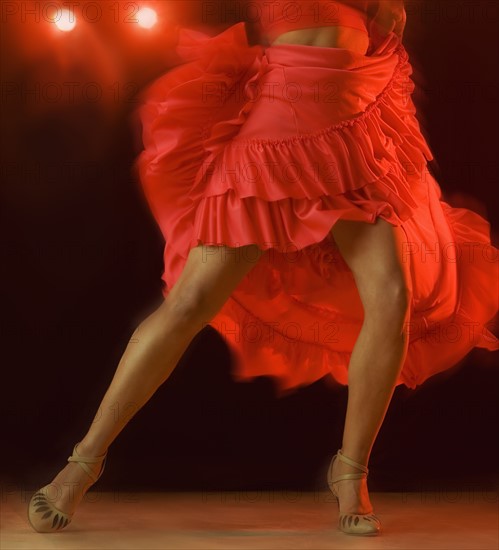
271,146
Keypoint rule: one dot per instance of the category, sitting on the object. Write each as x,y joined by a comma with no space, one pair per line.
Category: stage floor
466,520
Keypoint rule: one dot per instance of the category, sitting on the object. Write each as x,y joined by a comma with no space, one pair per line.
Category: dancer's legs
374,254
153,351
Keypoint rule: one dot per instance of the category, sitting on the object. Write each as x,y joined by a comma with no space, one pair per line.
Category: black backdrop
82,258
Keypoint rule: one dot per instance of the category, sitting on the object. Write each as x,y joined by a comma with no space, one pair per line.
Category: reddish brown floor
466,519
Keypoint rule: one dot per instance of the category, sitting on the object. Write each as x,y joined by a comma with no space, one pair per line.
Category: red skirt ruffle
271,146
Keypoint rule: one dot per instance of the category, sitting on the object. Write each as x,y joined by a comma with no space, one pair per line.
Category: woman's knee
190,303
399,294
372,251
389,298
210,275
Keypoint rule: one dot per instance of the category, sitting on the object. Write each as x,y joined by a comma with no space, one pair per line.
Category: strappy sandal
353,524
43,516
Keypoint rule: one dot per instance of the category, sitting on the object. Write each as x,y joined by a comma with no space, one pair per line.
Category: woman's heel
353,524
43,516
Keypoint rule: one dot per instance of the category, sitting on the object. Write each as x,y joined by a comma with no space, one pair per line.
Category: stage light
147,18
66,21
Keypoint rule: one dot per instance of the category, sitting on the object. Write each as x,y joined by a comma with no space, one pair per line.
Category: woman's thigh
210,275
375,254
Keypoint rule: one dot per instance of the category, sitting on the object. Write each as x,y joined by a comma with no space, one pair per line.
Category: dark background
82,259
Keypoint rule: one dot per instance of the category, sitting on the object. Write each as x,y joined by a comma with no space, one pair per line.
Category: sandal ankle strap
347,476
347,460
84,460
341,456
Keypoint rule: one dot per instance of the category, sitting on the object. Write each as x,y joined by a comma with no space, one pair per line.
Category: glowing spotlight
147,18
64,20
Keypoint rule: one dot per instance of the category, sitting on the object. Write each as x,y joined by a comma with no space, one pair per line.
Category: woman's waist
305,56
277,18
328,36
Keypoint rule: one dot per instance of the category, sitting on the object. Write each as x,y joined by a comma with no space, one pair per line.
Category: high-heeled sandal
353,524
43,516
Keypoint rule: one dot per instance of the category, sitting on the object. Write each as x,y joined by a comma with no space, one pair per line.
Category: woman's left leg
374,254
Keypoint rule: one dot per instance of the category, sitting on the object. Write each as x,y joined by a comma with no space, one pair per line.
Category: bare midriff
330,36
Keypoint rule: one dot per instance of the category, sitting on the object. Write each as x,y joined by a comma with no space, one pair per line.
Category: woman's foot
51,508
353,494
348,481
69,486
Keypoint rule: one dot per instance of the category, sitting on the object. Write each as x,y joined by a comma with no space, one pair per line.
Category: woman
290,183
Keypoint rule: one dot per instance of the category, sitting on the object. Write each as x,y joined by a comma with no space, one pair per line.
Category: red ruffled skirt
271,146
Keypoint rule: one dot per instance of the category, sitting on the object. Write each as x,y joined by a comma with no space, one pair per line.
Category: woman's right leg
210,275
374,254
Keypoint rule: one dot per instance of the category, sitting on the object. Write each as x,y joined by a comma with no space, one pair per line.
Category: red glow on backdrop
79,67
